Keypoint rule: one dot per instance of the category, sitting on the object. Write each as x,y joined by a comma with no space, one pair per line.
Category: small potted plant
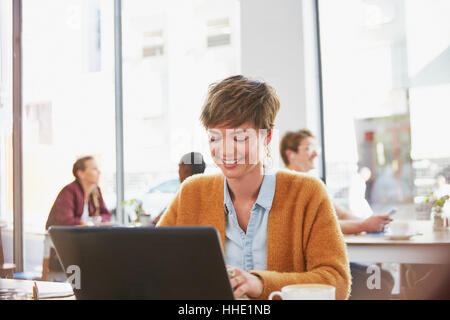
136,205
438,217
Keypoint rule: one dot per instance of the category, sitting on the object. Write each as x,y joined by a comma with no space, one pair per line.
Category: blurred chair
48,245
34,275
6,269
48,272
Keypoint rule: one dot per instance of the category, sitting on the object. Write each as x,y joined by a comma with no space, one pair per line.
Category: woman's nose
228,149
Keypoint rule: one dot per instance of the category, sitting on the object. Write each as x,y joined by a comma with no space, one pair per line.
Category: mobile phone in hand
392,211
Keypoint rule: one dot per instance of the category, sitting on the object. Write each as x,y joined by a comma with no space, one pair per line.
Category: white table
431,247
46,289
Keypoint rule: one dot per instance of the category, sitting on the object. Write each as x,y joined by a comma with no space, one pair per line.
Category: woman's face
303,159
236,151
91,173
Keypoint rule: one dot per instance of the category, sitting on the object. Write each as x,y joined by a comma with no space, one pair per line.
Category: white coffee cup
310,291
398,228
145,219
94,221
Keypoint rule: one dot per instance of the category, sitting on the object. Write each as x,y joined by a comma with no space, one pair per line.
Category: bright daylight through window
386,92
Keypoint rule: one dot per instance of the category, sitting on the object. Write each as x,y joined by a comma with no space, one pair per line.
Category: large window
172,51
68,105
386,101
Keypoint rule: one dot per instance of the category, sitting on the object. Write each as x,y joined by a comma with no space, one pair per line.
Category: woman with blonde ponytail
80,199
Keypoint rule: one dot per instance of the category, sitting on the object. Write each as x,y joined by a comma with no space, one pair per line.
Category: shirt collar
265,195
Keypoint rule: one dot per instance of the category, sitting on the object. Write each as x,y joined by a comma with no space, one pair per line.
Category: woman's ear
289,154
80,174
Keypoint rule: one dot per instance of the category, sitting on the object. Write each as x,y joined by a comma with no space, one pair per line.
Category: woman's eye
213,139
240,139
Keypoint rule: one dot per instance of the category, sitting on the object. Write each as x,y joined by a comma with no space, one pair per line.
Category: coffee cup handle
275,293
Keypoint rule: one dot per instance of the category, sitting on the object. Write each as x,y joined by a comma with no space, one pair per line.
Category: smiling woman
278,228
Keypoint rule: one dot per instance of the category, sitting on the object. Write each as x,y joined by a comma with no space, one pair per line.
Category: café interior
121,86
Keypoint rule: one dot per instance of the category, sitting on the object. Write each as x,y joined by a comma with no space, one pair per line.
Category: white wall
273,37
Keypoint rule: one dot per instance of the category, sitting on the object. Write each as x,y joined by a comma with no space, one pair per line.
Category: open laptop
167,263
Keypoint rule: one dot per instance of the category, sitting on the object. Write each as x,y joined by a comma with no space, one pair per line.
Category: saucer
405,236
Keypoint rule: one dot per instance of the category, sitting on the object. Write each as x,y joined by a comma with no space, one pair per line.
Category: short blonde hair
236,100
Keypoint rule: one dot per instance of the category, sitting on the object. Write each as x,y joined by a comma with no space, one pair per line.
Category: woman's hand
244,283
375,223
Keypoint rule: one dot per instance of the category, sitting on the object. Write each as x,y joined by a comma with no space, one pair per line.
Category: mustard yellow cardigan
304,240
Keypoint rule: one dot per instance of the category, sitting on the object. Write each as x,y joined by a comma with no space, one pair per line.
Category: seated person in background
298,151
191,163
275,229
78,201
81,198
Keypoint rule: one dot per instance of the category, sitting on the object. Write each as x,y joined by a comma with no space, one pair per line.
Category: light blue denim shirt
247,251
